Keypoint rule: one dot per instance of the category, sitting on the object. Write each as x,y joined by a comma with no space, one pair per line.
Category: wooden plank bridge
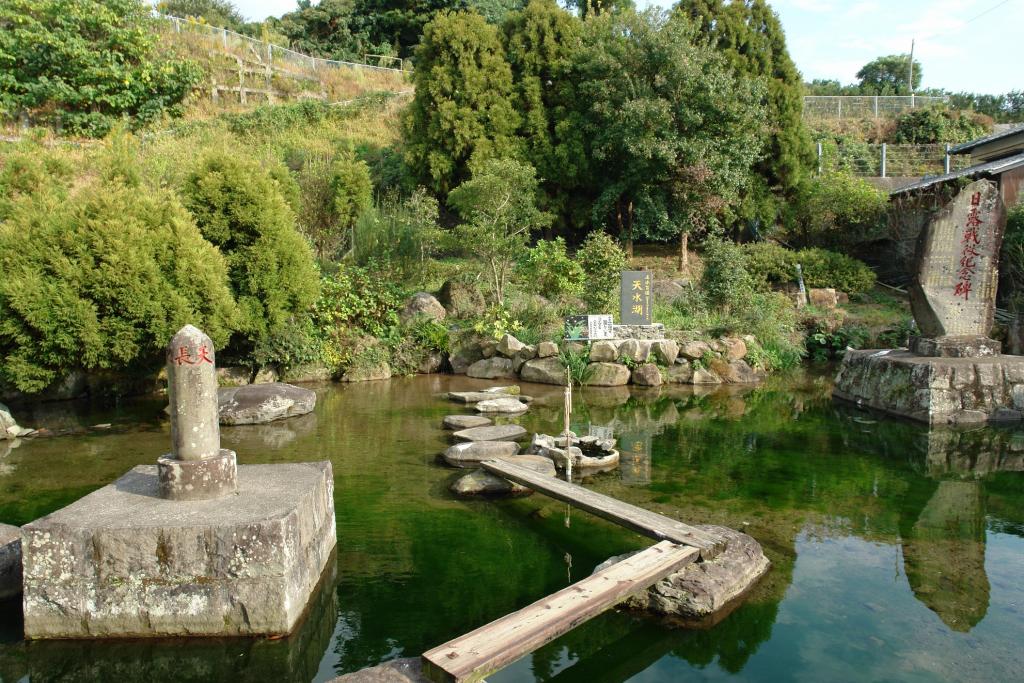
470,657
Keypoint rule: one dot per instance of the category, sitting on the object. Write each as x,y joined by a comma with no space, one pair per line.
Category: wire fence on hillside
864,106
265,51
890,161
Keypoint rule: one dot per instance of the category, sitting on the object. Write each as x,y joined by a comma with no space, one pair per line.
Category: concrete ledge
124,562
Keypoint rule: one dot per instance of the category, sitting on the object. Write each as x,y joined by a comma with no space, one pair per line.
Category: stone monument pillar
953,295
953,373
197,468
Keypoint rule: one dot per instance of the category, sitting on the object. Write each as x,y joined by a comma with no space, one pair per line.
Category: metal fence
264,51
885,160
863,106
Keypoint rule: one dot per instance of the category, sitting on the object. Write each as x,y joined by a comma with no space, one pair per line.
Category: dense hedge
771,264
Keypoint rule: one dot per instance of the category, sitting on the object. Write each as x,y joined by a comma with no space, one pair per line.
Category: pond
897,553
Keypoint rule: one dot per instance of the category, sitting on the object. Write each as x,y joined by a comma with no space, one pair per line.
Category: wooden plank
632,517
489,648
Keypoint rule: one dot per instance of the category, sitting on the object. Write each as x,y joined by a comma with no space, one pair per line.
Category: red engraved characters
968,253
185,358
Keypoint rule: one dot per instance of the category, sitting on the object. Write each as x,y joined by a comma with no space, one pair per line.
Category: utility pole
910,75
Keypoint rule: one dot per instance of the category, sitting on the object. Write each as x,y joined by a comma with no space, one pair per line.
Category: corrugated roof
968,146
987,168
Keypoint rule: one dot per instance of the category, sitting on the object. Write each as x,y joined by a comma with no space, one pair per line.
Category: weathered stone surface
607,375
605,351
123,562
491,368
740,372
705,376
505,390
465,421
491,433
823,298
528,352
307,372
266,375
203,479
735,348
260,403
694,350
192,395
649,332
10,561
508,345
707,589
932,390
962,346
432,362
501,405
647,375
471,453
406,670
367,373
680,373
669,290
950,296
547,349
665,351
8,426
481,482
464,357
638,350
543,371
422,304
488,349
233,376
477,396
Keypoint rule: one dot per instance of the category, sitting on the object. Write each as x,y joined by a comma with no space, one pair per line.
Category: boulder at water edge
707,589
606,375
10,561
260,403
491,368
422,304
543,371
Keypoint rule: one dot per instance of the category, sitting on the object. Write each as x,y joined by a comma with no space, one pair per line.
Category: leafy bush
271,269
87,64
772,264
548,270
602,261
938,124
725,280
578,364
838,210
399,235
823,344
1013,258
26,169
101,278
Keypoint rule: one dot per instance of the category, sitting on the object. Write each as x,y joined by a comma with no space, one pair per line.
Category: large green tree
889,75
673,132
87,64
750,37
464,104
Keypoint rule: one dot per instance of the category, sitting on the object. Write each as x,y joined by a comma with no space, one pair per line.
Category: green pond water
897,553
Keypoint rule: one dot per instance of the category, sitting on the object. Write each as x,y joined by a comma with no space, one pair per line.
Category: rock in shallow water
480,482
406,670
707,589
259,403
491,433
465,421
491,368
471,453
10,561
501,405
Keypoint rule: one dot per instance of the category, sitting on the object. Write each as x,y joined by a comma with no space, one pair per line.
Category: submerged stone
465,421
480,482
471,453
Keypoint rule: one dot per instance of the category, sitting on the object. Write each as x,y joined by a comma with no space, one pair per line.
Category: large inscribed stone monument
953,295
953,372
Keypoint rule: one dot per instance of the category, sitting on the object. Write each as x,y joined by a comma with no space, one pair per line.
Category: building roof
965,147
988,168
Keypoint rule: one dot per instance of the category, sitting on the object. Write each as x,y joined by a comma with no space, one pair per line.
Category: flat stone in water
491,433
406,670
480,482
470,396
471,453
465,421
501,405
260,403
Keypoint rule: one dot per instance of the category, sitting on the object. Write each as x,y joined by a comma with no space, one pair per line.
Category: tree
496,11
888,75
270,267
498,207
399,23
334,192
749,36
327,29
87,64
672,132
541,42
214,12
464,104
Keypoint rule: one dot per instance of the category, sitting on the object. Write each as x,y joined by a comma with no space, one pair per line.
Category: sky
972,45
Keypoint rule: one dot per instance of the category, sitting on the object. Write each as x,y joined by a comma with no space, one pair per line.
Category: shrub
399,235
838,210
101,278
28,168
1013,258
271,269
334,192
725,281
938,124
578,364
772,264
548,270
602,261
87,64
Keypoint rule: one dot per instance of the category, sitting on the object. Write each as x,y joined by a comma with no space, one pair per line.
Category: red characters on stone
185,358
968,253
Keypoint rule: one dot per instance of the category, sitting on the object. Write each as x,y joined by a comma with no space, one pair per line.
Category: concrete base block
934,390
197,479
124,562
970,346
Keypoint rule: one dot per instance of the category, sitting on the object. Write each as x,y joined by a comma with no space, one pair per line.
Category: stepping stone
470,453
501,405
480,482
491,433
510,390
470,396
465,421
